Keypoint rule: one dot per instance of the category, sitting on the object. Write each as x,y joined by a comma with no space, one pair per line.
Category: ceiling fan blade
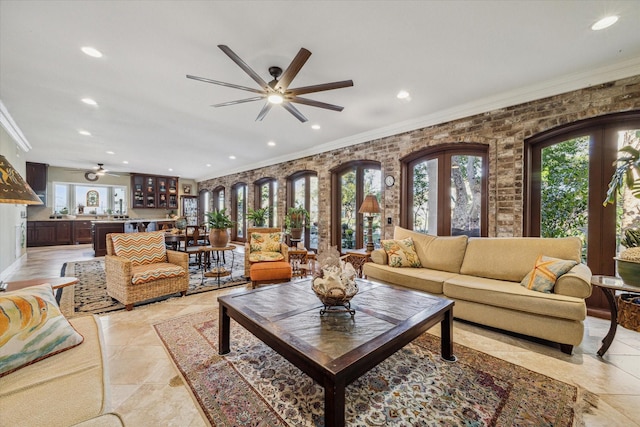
240,101
313,103
293,110
215,82
320,87
235,58
292,70
264,111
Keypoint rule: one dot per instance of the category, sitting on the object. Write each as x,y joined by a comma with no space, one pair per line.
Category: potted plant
627,174
219,223
296,219
259,216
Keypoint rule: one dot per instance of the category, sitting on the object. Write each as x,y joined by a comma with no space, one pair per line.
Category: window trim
358,166
443,153
257,199
234,210
601,219
307,174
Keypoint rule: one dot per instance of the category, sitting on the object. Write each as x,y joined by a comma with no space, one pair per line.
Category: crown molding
564,84
12,129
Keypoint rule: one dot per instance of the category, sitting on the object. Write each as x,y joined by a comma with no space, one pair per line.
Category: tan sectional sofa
67,389
483,276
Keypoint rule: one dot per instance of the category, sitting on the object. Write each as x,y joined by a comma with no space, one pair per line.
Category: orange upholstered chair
266,256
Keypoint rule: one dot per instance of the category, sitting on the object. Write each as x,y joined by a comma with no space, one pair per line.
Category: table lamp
14,189
368,208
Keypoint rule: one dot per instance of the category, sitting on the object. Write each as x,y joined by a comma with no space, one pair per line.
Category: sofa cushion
265,256
422,279
151,272
140,248
511,258
32,328
401,253
511,295
436,252
265,242
545,273
61,390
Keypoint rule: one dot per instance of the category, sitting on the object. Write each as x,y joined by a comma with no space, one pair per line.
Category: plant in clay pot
219,223
627,174
296,219
259,216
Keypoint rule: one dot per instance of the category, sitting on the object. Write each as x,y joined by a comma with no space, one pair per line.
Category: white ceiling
456,58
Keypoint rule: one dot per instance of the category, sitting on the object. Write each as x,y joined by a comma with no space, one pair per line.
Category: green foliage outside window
565,189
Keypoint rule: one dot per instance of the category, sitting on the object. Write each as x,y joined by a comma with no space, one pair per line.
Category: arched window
302,190
239,211
446,190
266,196
217,198
204,204
569,169
351,183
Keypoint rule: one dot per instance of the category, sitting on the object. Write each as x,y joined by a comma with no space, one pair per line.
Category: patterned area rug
253,385
90,295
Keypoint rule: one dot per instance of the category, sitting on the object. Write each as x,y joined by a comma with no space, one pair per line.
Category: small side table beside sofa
609,285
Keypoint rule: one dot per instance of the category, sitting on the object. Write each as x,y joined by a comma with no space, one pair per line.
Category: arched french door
568,171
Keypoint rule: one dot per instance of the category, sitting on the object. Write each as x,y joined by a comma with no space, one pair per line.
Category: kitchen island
101,228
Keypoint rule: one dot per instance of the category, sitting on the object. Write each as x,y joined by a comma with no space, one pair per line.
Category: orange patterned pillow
545,273
141,248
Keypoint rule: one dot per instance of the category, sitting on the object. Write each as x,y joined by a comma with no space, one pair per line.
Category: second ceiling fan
277,91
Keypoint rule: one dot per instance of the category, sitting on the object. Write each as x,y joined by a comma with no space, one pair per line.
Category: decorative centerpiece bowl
334,282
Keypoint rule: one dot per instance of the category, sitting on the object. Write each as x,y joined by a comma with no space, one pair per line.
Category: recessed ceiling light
403,94
91,51
232,157
89,101
170,170
604,23
271,144
110,152
84,132
208,165
125,162
315,127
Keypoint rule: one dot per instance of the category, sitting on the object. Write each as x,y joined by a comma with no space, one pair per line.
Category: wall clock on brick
389,180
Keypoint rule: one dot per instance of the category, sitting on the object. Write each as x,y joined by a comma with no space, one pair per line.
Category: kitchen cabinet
82,232
152,191
49,233
100,231
37,174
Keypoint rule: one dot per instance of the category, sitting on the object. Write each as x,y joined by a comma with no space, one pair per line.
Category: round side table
609,286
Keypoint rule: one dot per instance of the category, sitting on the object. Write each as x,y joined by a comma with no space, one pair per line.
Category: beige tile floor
140,370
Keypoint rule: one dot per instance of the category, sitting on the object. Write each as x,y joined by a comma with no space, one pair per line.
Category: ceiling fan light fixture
275,98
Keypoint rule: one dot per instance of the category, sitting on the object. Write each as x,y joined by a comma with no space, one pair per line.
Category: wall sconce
368,208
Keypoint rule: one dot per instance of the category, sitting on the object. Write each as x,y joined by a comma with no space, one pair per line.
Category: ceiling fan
98,171
277,91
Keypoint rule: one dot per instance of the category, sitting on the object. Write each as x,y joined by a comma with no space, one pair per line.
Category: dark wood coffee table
336,349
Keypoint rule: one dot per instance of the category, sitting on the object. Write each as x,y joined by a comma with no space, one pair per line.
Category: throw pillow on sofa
546,272
401,253
32,328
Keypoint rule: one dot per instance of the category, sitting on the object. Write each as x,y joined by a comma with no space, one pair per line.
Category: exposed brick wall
504,130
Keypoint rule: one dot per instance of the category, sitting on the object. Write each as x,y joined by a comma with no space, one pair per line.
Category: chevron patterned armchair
139,267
